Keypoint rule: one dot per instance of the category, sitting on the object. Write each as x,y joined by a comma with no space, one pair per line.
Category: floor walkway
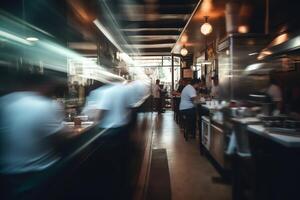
190,173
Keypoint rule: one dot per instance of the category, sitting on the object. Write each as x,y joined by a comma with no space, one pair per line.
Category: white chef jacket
27,120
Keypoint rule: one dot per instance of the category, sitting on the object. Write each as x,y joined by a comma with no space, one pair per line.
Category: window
159,67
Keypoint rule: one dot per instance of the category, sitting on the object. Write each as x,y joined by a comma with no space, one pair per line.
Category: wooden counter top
78,130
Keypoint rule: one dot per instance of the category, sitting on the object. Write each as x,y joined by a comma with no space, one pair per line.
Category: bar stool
176,102
189,122
184,124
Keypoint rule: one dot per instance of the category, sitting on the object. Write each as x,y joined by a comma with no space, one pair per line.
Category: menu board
187,73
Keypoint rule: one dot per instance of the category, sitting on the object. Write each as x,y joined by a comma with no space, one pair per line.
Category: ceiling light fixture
184,38
184,51
206,28
32,39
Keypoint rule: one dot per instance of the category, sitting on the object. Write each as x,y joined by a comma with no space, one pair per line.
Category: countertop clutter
286,139
76,130
243,142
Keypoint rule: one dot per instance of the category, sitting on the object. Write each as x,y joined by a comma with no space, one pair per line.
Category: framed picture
187,73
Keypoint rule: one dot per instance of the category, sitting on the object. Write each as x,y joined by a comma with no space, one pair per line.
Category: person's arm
159,88
193,95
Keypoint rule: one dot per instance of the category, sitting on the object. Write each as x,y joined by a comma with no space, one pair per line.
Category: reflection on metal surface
280,39
283,44
253,54
254,66
263,54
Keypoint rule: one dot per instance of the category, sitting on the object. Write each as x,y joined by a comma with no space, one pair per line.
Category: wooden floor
190,173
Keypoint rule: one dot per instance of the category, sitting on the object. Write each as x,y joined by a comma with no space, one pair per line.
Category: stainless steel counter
283,139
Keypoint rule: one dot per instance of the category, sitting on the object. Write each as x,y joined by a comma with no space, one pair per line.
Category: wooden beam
154,24
154,41
151,32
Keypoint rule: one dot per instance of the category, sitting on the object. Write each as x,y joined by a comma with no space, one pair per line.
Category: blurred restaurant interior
149,99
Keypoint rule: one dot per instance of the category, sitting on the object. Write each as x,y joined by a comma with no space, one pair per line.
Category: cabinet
217,142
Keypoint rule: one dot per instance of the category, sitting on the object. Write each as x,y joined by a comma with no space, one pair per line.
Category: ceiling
249,14
140,27
152,27
159,27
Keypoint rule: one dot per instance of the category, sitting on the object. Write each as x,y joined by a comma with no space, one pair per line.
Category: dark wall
50,16
284,15
234,83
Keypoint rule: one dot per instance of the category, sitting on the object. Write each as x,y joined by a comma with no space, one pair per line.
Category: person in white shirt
275,93
157,98
111,105
116,106
215,89
30,119
91,105
187,107
29,129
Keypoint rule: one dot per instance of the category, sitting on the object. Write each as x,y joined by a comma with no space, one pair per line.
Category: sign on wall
187,73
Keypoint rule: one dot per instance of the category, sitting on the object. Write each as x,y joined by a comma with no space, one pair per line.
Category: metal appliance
281,125
205,132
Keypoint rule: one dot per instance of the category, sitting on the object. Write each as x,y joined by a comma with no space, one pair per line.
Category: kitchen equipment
244,112
281,124
205,132
264,100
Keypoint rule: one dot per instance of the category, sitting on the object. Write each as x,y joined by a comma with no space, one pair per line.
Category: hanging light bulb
206,28
193,68
184,51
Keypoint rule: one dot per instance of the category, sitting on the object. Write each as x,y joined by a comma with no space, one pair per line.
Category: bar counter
212,138
93,163
276,163
83,165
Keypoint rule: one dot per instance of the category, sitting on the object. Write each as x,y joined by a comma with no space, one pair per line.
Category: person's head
157,81
195,83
